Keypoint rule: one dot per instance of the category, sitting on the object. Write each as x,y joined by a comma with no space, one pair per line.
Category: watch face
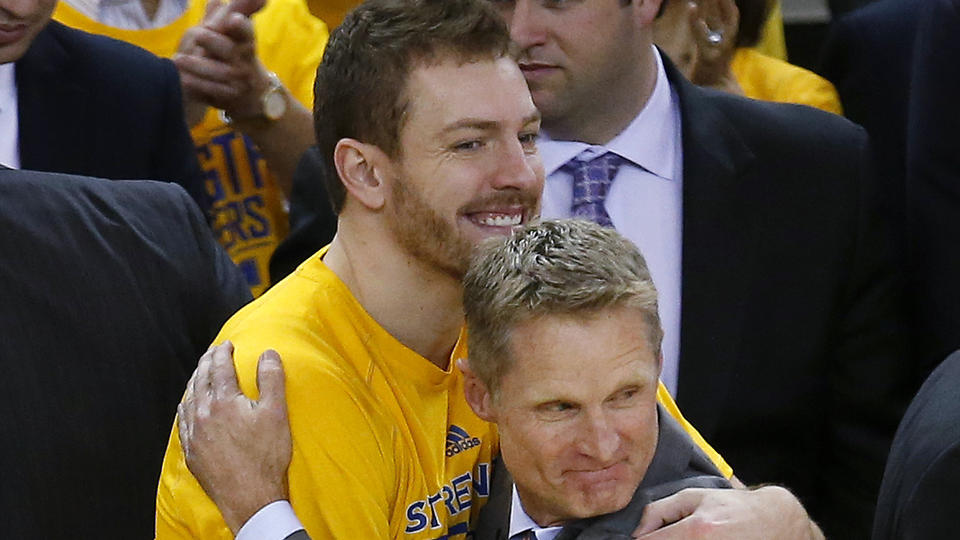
274,105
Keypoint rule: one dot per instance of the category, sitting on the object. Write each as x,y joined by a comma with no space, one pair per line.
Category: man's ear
478,395
647,10
362,168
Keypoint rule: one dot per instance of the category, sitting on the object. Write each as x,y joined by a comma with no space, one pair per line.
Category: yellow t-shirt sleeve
666,400
343,477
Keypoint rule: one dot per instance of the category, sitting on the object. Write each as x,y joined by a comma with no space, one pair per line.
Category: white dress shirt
520,522
9,118
274,521
129,14
644,201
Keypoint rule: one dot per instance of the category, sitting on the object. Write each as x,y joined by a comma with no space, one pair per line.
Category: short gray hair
560,267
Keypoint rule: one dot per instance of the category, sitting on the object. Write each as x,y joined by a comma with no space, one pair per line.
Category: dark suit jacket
919,496
110,293
869,56
95,106
677,464
933,176
791,360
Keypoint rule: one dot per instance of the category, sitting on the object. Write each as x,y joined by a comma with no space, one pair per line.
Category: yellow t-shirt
772,79
384,443
249,210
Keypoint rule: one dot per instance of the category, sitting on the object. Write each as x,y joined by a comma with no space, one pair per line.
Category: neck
420,306
615,104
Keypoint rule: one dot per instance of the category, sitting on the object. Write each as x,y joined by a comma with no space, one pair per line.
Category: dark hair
753,14
361,82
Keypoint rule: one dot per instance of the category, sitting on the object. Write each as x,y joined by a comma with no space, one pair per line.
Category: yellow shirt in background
249,211
384,443
771,79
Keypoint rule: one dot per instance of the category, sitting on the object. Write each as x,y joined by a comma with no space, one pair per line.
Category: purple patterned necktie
591,182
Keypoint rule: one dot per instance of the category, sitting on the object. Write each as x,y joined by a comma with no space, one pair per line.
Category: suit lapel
718,258
493,523
52,107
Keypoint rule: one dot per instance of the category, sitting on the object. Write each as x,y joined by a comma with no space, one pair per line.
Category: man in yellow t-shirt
265,89
428,134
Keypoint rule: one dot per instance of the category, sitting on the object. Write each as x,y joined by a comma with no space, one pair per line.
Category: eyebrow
486,125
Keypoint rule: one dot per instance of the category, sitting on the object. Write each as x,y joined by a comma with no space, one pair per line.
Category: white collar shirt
521,522
644,201
129,14
9,118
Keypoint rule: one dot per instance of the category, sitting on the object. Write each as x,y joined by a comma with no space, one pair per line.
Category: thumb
271,380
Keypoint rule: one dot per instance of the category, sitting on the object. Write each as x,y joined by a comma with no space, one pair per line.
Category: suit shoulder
103,55
787,122
145,205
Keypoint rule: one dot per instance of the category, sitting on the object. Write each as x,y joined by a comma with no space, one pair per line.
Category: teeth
501,220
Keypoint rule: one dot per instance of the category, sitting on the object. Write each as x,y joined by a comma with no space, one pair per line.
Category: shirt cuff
274,521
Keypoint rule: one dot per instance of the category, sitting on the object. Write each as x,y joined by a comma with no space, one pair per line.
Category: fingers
214,93
239,29
233,43
246,7
223,375
271,380
668,510
184,427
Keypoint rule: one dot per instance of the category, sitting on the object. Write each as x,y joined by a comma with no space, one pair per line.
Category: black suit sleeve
223,289
299,535
870,383
177,159
933,177
930,510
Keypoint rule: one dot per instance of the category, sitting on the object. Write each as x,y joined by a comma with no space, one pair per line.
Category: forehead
446,91
579,354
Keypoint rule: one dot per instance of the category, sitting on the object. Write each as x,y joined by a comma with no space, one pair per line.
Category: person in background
111,290
712,43
72,102
247,73
766,233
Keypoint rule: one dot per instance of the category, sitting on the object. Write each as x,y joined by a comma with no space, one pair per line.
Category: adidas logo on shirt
458,440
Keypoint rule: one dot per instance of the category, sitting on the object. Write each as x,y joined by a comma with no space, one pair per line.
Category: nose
519,167
599,437
526,24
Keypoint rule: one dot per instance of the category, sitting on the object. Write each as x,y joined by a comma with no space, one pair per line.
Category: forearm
283,141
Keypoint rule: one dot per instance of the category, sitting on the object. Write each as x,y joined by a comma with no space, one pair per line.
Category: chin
604,503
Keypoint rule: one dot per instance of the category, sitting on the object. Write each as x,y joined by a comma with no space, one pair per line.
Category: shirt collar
520,521
649,141
8,86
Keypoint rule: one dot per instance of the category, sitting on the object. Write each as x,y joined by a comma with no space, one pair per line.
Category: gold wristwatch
273,104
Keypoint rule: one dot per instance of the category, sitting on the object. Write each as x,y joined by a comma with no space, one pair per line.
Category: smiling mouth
609,474
11,32
501,218
535,66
